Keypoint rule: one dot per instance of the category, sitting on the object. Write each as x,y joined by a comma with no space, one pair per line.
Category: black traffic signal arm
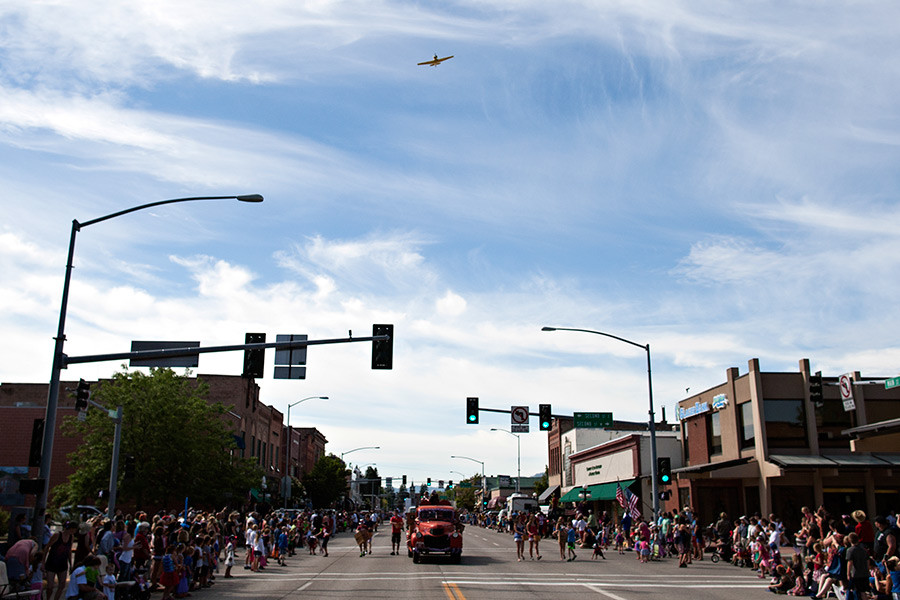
175,352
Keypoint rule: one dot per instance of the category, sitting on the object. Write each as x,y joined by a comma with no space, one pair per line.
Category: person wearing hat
864,529
58,559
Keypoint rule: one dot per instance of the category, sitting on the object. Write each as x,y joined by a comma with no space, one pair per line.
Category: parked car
79,512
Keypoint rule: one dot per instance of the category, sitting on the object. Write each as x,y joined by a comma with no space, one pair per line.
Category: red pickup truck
435,531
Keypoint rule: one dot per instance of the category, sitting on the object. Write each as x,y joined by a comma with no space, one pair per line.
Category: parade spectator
864,529
857,567
885,545
534,537
79,586
561,533
58,560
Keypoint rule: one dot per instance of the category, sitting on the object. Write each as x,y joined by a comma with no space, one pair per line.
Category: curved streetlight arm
609,335
360,448
243,198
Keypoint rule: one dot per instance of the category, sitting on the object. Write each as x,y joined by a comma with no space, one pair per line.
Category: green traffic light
545,425
665,478
472,418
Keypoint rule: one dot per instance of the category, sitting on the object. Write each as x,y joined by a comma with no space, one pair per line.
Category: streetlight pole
518,454
653,466
285,481
40,505
483,480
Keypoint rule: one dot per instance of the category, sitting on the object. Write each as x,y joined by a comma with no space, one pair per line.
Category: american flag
628,501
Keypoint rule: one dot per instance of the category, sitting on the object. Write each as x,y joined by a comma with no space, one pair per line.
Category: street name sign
586,420
891,383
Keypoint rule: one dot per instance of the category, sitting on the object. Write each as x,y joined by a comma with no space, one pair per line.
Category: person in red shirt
864,530
396,531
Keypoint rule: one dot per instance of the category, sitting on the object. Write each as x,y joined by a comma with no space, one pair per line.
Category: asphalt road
489,571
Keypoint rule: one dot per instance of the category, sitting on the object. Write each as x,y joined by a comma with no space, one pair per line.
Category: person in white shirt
78,584
109,583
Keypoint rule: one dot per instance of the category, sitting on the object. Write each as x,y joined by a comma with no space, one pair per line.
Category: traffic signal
404,480
82,395
472,411
450,484
664,470
815,388
383,350
128,467
254,360
440,483
31,486
544,417
428,482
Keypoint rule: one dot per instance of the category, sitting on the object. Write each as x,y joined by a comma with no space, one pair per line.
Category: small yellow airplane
435,61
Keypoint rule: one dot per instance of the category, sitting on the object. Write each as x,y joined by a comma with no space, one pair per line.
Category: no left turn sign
518,415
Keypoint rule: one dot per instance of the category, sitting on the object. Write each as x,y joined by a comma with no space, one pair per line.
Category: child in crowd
644,547
37,572
229,557
598,550
108,582
571,537
782,582
620,540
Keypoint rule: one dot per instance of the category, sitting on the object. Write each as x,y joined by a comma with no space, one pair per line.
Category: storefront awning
712,466
603,491
813,461
801,461
857,460
547,493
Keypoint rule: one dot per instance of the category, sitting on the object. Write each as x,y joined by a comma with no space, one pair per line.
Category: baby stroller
140,590
742,557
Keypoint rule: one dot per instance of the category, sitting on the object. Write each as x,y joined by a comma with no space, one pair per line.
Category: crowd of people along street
846,556
135,556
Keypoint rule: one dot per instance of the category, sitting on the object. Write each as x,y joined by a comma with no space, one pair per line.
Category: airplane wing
435,62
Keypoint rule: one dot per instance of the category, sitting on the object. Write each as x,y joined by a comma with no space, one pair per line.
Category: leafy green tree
465,492
327,481
182,446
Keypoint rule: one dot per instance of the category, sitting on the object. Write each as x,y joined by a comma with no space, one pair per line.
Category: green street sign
464,484
585,420
891,383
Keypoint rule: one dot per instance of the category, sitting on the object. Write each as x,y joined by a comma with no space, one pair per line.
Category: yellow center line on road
453,592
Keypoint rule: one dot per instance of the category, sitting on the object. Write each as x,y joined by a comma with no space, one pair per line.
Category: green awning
603,491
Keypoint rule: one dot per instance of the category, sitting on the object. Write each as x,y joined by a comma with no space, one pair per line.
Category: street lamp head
250,198
548,328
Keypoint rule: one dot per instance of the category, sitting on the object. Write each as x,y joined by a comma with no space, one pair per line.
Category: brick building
258,428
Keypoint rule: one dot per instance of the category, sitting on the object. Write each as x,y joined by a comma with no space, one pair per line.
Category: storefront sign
719,402
697,409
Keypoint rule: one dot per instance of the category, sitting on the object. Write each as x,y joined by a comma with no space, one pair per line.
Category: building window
831,420
685,444
714,434
745,415
785,423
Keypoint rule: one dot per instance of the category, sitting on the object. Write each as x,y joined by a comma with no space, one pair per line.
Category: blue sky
716,179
